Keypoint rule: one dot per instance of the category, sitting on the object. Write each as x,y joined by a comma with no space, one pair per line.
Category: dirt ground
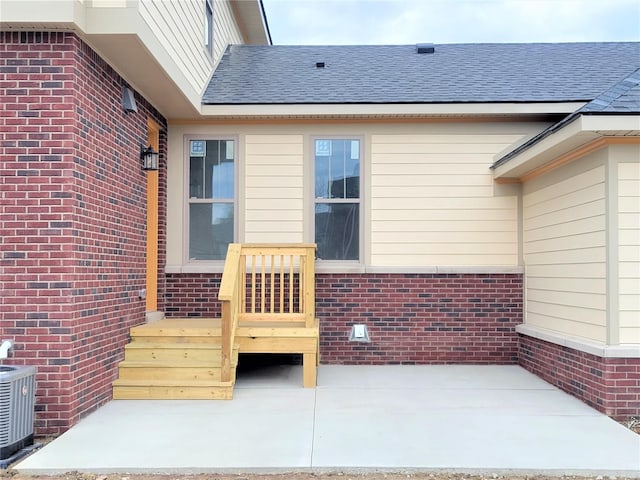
305,476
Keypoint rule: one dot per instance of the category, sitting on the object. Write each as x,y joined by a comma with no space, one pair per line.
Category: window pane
219,169
210,230
337,231
211,169
337,168
196,178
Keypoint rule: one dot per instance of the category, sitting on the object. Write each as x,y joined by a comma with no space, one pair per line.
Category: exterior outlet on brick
72,219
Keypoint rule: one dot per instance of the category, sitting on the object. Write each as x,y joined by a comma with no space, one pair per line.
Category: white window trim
207,266
208,29
338,266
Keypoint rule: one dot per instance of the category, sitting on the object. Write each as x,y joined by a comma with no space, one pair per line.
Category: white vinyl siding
274,206
433,203
438,208
564,229
629,251
225,29
179,27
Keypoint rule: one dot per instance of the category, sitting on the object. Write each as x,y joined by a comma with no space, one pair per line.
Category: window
211,198
208,26
337,199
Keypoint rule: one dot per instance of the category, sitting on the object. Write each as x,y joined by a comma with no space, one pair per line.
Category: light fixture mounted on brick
149,158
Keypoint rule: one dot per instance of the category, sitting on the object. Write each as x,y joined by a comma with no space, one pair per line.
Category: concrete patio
394,418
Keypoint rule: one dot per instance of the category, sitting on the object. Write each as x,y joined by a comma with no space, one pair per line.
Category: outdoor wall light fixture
149,158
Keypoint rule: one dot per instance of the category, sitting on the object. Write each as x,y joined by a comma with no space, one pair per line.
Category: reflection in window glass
211,198
211,229
337,231
337,194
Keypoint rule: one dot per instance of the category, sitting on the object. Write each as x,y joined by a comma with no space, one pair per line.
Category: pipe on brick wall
5,347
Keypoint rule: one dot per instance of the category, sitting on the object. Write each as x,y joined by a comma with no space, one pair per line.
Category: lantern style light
149,158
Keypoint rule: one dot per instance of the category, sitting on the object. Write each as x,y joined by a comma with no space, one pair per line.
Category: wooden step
179,327
158,371
184,353
171,390
179,331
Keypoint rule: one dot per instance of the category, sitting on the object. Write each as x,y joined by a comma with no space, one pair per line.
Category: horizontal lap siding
225,29
629,251
274,181
179,26
565,255
173,22
432,201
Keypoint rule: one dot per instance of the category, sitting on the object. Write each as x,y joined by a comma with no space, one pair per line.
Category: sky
365,22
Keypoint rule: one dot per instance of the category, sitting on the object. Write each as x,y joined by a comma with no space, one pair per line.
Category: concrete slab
461,418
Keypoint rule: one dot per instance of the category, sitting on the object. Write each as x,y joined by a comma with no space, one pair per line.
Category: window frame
187,201
339,265
208,26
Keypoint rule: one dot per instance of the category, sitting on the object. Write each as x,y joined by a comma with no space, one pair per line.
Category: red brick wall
72,220
192,295
411,318
420,319
610,385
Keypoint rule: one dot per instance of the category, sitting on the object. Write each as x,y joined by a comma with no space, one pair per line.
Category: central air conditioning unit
17,399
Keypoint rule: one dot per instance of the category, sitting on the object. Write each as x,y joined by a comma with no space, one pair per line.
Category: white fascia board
580,131
119,33
562,141
386,109
249,14
127,41
40,14
611,123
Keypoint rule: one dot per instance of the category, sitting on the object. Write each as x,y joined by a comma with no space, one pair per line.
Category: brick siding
412,319
72,220
192,295
72,256
610,385
420,319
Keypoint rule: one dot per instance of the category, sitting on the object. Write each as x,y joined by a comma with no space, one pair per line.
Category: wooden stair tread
182,327
167,364
140,345
123,382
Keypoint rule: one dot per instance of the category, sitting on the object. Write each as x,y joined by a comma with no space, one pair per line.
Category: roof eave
582,130
252,21
385,109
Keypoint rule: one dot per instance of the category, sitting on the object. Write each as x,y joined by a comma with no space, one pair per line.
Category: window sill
346,267
210,267
339,267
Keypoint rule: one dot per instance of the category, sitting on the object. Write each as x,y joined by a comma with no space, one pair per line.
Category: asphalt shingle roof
624,97
621,98
460,73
